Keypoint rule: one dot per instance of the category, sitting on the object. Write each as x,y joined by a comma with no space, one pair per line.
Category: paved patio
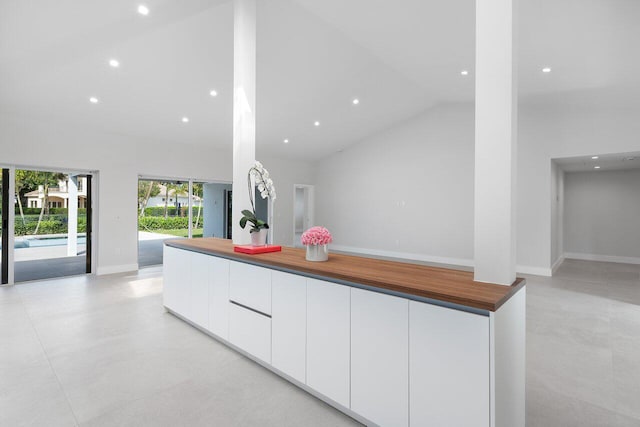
150,248
37,263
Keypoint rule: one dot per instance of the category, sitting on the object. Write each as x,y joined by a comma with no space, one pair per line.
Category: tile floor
102,351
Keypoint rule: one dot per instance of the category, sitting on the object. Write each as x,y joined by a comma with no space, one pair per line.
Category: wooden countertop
441,284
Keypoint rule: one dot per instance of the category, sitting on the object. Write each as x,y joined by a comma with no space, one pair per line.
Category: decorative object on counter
258,176
316,240
254,250
258,230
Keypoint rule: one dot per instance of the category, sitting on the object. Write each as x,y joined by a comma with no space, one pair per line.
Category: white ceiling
314,56
607,162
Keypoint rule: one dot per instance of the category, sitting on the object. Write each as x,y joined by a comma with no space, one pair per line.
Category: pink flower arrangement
316,236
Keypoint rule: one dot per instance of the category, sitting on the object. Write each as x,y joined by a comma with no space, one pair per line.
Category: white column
72,216
495,144
244,109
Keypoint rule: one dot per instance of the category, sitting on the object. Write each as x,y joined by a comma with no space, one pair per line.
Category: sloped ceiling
314,57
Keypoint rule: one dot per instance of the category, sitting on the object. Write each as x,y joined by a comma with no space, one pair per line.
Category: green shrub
171,211
149,223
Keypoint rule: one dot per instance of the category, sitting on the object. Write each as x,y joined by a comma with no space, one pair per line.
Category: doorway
178,209
303,211
46,224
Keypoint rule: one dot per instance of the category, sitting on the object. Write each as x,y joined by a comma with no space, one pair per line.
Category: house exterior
179,198
58,196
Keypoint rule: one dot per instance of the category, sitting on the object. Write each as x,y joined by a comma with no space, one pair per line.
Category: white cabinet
199,295
328,341
250,286
250,331
289,324
449,367
380,357
219,297
177,280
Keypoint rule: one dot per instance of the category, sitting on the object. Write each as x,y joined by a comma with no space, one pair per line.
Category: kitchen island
388,343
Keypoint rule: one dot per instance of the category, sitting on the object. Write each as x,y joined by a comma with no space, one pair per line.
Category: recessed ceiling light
356,101
286,141
546,70
595,157
596,167
316,123
185,120
213,93
464,72
114,63
93,100
143,10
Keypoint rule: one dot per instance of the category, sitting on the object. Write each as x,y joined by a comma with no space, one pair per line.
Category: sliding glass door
52,224
169,209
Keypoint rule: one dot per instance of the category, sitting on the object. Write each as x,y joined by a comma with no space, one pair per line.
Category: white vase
317,253
259,238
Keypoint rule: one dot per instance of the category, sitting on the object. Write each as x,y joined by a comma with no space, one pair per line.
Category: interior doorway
303,211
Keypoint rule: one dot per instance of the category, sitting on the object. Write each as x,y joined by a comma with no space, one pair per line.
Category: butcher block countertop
454,287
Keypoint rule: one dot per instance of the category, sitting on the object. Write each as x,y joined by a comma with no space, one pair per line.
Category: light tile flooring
102,351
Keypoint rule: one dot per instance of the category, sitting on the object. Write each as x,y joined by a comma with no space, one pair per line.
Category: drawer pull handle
250,309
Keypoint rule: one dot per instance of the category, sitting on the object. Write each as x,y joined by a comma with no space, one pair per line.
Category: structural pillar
244,110
495,142
72,216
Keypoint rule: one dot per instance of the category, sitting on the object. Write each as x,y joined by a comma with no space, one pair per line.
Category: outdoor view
163,208
50,224
163,213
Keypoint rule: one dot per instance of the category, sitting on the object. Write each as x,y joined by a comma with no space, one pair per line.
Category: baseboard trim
113,269
557,264
603,258
461,262
535,271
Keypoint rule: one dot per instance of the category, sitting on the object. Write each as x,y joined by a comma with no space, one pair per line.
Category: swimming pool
38,242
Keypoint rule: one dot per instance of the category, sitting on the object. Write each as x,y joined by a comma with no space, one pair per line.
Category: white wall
557,214
285,173
548,132
602,217
427,162
405,192
119,161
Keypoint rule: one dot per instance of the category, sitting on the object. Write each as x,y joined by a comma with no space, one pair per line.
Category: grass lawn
181,232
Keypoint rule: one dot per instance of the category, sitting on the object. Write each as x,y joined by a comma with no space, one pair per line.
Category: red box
253,250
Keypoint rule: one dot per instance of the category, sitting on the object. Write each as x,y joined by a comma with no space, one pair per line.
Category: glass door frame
6,236
8,187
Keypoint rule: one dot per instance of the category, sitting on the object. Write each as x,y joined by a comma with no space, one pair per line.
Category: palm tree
47,178
20,182
146,190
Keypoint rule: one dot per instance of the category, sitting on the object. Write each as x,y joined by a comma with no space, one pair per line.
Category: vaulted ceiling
314,57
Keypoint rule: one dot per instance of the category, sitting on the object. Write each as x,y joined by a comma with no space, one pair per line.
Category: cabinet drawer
250,286
250,331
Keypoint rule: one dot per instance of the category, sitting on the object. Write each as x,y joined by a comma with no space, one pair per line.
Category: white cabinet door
448,366
289,324
380,357
250,331
250,286
177,280
200,283
219,297
328,339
